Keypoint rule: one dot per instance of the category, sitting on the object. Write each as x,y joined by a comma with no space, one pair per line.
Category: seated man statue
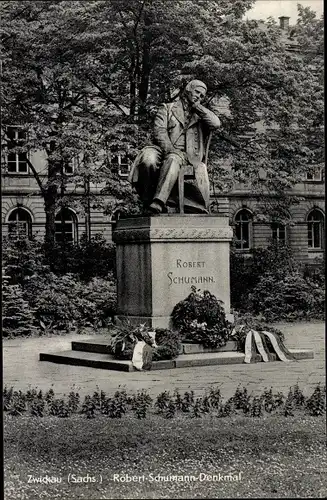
181,129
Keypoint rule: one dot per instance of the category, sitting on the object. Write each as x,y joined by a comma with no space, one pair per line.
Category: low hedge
39,404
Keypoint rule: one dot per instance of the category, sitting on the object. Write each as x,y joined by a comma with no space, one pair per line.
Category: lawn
272,456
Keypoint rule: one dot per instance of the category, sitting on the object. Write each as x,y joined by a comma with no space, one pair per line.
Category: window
70,166
123,164
66,226
16,162
19,224
243,229
315,175
315,229
278,231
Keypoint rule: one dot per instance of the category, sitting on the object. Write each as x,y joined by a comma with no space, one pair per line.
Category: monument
177,243
165,252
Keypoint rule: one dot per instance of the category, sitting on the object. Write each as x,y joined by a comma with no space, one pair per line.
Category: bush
22,259
64,302
82,293
53,300
276,259
88,259
17,316
96,301
275,286
316,271
289,298
17,403
201,318
316,404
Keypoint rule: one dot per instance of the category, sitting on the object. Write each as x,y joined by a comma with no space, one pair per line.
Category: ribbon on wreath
142,353
256,342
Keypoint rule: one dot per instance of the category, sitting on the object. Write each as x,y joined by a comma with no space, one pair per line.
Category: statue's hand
182,155
197,107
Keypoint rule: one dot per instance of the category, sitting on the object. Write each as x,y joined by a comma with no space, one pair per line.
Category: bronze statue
181,130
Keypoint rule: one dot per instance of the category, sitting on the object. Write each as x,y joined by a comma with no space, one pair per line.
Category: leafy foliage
17,316
292,297
58,301
276,259
64,302
141,403
84,78
87,259
316,404
22,258
52,299
274,285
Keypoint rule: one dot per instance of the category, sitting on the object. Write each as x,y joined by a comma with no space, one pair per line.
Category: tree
42,94
153,48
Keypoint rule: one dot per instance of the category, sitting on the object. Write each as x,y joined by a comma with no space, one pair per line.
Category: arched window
66,226
278,232
19,224
243,229
315,229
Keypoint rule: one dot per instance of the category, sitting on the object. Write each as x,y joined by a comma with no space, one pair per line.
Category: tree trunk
146,69
87,209
50,203
132,88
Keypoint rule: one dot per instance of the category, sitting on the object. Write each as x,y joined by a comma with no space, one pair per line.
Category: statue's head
195,91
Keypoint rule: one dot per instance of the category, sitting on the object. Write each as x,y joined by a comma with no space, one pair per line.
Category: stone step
98,346
107,361
192,348
90,359
101,346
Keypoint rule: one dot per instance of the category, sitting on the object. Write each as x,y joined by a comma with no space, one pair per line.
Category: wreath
165,343
201,318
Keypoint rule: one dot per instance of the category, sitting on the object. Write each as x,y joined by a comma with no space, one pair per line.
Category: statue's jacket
170,127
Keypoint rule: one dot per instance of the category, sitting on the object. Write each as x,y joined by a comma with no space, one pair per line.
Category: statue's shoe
155,208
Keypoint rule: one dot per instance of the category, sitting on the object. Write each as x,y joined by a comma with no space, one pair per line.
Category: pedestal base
160,258
155,321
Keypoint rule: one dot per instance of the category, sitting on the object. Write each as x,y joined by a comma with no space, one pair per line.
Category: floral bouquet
126,337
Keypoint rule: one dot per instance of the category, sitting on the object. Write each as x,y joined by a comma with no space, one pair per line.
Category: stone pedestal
160,258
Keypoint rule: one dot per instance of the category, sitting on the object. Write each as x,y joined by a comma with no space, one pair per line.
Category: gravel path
22,368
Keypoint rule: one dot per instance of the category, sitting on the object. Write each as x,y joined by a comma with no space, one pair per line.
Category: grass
278,457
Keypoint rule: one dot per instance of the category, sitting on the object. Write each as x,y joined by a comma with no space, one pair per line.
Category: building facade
23,214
